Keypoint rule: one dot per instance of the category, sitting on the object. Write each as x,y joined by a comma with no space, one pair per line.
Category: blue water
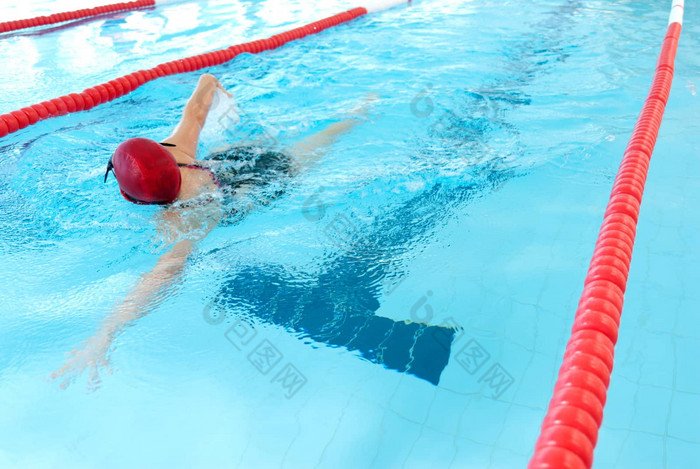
465,210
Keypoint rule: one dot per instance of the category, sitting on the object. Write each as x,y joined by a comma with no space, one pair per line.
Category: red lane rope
72,15
570,428
91,97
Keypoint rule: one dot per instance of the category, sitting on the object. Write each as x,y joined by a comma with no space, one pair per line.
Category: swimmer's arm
309,150
147,295
154,286
151,290
186,134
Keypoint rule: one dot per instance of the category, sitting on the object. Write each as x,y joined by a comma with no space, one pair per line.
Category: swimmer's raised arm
186,134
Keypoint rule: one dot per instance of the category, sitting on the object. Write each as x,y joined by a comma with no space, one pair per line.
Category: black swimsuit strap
189,165
185,165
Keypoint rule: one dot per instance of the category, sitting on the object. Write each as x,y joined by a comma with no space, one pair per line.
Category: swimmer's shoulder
181,156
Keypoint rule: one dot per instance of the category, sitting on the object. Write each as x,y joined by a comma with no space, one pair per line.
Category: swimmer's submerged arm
152,289
154,286
186,134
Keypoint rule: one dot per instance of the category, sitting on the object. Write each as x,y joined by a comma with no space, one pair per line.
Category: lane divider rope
570,428
73,15
91,97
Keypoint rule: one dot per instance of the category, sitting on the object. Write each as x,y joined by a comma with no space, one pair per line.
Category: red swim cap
147,173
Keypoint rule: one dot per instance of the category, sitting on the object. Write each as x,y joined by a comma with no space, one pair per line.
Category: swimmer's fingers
64,369
95,381
363,108
371,96
60,372
73,368
221,87
66,374
67,381
106,364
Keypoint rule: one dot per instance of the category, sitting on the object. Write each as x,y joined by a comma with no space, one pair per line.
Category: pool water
407,301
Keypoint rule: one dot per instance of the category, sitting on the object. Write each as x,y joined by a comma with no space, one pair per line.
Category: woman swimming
168,173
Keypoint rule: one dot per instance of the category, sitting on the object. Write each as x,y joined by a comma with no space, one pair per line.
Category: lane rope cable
16,25
570,428
105,92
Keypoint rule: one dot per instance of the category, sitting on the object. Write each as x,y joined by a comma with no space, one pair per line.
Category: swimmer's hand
209,78
362,109
93,356
186,134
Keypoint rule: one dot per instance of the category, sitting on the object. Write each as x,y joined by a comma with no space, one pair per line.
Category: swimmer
168,173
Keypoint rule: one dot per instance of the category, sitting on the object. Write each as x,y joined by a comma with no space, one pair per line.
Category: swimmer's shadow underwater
338,306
